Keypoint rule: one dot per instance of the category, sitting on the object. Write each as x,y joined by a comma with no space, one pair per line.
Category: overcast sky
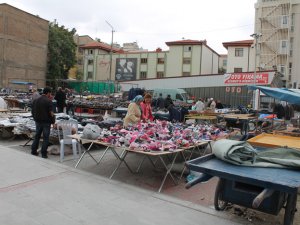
150,23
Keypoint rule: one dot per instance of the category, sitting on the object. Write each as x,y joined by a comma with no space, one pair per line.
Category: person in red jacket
146,108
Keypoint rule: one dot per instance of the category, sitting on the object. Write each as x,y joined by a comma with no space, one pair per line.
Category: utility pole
111,47
256,36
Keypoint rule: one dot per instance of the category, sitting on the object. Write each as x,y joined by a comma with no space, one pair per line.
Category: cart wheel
218,202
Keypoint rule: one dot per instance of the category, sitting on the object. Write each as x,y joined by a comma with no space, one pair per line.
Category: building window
291,46
160,74
143,75
90,75
290,68
187,48
144,60
282,69
186,74
238,70
293,22
91,51
186,61
283,47
90,62
80,50
224,63
239,52
284,21
160,60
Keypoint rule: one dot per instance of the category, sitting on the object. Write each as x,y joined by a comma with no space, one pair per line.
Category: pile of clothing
160,135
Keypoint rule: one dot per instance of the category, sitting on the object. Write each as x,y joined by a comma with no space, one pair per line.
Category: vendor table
160,155
4,110
287,133
91,143
241,120
243,185
275,140
210,118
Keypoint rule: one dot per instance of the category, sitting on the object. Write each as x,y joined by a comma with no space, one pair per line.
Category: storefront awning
282,94
22,82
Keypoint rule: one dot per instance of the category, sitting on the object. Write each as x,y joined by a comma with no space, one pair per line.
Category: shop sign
246,78
233,89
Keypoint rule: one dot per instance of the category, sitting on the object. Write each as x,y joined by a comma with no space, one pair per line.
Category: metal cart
263,189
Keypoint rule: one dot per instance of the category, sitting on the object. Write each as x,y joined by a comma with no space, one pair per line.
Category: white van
177,94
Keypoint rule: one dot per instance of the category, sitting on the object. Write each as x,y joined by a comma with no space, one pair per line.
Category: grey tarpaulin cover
242,153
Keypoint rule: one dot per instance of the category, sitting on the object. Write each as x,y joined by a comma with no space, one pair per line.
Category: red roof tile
238,43
186,42
99,45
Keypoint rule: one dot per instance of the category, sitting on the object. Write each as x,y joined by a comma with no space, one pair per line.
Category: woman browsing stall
146,108
134,112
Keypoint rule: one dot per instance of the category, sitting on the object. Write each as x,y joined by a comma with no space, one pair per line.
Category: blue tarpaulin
22,82
282,94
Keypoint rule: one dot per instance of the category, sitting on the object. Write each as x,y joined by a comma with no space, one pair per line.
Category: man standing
60,98
170,107
199,106
35,94
43,116
160,103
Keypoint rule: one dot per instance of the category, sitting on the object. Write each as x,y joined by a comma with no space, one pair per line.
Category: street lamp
111,46
256,36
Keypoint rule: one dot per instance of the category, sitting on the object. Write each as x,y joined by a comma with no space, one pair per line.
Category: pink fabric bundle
160,135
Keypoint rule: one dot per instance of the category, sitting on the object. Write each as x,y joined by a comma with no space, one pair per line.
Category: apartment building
240,57
184,58
23,44
223,63
96,61
80,40
278,24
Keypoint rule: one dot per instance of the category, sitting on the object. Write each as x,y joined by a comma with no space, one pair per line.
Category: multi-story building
96,61
23,48
80,40
240,57
277,26
184,58
129,47
223,63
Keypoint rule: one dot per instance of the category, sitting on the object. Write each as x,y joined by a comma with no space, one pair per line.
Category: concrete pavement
36,191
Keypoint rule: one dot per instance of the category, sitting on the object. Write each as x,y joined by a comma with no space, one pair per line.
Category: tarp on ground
282,94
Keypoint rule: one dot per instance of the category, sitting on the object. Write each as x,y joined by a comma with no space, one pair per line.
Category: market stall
161,139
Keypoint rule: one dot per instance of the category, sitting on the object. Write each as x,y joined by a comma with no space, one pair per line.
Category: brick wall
23,47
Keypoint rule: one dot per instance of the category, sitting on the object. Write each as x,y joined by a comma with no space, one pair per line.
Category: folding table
149,154
91,143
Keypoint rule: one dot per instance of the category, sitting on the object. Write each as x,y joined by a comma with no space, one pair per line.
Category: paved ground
44,191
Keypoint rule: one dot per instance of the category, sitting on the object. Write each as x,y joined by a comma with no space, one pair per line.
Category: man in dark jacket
160,104
60,98
43,116
169,105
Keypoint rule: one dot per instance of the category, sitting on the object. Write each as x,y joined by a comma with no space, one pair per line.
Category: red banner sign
246,78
